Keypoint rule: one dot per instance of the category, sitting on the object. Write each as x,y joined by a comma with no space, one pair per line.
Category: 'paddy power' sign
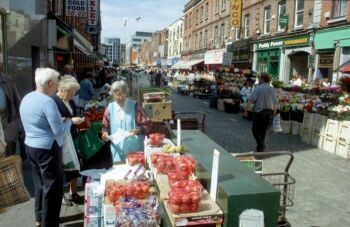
287,42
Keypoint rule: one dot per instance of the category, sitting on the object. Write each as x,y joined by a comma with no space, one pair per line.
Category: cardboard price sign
76,8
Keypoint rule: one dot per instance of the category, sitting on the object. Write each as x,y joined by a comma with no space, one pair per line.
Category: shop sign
93,14
236,12
283,21
326,60
76,8
214,57
288,42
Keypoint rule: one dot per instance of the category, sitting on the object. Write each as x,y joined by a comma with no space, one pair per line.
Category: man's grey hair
119,86
44,75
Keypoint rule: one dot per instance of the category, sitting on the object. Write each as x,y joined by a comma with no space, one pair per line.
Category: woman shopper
67,88
86,92
125,120
45,130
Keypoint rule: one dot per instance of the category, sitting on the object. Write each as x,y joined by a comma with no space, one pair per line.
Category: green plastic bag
88,144
96,127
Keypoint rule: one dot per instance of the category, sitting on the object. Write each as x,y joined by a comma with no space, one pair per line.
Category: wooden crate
343,149
329,144
158,111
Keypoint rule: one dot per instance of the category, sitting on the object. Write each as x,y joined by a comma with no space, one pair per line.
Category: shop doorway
298,64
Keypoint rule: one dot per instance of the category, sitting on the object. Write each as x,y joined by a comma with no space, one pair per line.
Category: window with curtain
207,10
216,35
281,12
299,13
246,26
217,6
339,8
222,33
267,19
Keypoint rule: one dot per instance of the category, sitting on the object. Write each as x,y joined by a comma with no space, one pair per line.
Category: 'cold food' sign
76,8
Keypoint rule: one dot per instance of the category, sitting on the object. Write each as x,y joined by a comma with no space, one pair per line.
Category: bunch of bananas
169,148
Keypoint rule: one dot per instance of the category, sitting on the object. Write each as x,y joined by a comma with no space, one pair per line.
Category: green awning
325,38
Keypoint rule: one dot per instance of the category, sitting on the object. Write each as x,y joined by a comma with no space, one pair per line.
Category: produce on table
165,164
185,163
169,148
159,156
114,191
136,158
156,139
175,176
188,186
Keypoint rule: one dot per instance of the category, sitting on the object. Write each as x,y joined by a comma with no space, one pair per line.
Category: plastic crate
332,129
319,125
308,120
296,128
344,132
329,144
317,140
343,149
306,135
286,126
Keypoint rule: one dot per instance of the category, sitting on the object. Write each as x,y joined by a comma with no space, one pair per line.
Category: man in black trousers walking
265,107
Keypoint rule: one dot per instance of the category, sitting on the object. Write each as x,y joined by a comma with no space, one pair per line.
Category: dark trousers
48,183
261,121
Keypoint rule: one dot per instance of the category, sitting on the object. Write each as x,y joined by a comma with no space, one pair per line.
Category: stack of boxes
156,107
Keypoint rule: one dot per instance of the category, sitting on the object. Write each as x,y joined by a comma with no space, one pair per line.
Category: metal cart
283,181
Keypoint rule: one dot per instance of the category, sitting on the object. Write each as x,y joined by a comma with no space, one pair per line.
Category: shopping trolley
283,181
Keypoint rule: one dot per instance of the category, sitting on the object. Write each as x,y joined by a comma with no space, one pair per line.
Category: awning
180,65
82,44
195,62
344,68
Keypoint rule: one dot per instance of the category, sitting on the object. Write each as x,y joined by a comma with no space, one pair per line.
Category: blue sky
155,15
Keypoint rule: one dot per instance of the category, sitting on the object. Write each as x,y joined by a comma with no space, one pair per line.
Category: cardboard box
209,213
158,111
154,97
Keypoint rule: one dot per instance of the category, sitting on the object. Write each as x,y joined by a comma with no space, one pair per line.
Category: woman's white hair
44,75
68,83
119,86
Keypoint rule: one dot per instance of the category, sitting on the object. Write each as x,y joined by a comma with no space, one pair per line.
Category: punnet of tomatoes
185,163
156,139
136,158
159,156
175,176
114,191
165,164
187,186
138,189
184,202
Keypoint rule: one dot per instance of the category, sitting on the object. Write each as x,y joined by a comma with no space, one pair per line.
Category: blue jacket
86,90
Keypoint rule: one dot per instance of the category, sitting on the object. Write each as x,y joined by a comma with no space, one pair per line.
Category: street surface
322,192
322,180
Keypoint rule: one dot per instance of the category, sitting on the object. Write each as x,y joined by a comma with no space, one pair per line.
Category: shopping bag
88,144
70,157
276,123
12,189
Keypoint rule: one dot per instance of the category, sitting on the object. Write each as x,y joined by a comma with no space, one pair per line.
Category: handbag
70,157
88,144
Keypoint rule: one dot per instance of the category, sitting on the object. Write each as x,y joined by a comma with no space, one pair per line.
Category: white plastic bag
70,157
276,123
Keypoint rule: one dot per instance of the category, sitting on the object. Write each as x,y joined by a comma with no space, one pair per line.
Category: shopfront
242,54
332,50
284,57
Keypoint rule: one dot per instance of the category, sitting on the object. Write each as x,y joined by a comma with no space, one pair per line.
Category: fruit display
175,176
156,139
116,190
165,164
185,163
157,156
187,186
136,158
169,148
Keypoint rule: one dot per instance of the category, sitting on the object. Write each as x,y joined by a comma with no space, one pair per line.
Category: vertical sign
76,8
214,175
236,12
93,16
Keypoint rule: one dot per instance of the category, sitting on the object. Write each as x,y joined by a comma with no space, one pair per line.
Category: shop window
339,8
207,11
217,6
246,26
267,19
281,12
299,13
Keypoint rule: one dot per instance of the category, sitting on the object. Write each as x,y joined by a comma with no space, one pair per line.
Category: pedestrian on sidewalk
67,88
265,107
45,129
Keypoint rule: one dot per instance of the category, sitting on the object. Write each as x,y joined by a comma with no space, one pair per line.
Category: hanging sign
93,16
236,12
76,8
283,21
